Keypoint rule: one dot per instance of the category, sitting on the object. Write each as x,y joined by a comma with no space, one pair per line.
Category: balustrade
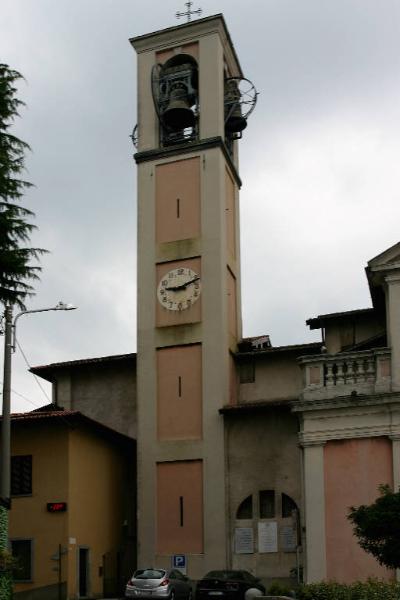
331,375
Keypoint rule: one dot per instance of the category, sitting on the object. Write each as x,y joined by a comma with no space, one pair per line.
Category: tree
16,276
377,527
16,269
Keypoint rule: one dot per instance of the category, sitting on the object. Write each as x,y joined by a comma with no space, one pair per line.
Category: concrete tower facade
189,312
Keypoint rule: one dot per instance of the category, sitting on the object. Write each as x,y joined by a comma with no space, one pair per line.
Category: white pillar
396,471
396,460
314,499
393,320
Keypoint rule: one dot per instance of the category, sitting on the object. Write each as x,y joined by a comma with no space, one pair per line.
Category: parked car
227,585
159,583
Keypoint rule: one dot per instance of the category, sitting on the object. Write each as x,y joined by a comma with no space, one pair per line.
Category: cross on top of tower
189,12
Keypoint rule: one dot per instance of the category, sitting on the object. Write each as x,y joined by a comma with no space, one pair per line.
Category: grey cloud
318,161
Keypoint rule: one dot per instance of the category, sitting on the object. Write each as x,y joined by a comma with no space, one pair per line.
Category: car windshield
238,575
149,574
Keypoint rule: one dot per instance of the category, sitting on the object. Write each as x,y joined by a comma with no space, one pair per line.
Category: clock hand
192,281
176,288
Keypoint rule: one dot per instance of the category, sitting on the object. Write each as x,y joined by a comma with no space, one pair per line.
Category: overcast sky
319,162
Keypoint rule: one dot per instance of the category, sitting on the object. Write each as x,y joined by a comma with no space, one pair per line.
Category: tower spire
189,12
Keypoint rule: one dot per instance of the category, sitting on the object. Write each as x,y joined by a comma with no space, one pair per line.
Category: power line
23,397
36,378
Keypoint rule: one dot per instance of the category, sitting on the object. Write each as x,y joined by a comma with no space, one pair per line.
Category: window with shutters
21,475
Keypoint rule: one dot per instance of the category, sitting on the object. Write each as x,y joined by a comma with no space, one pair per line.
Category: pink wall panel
179,393
180,507
354,469
178,200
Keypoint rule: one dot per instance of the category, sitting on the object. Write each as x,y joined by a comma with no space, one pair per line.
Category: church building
248,455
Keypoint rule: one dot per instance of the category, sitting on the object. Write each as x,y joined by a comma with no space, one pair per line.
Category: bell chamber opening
175,95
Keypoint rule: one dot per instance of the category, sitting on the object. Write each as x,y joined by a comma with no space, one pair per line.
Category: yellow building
72,506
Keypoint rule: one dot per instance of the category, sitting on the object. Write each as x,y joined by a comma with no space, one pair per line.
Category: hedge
371,590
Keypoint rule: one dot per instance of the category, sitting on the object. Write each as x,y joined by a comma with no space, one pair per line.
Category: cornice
308,443
316,438
341,356
189,148
187,33
393,277
361,400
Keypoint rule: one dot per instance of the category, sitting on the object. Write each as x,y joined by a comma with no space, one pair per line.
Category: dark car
227,585
159,584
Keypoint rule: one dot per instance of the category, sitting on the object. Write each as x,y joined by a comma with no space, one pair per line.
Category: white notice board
244,540
267,536
288,539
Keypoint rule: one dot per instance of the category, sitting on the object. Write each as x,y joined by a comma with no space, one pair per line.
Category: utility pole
6,577
5,502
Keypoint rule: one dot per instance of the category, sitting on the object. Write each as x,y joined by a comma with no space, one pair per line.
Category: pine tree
17,273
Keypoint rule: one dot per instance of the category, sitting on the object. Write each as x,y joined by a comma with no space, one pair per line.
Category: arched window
288,506
267,504
245,510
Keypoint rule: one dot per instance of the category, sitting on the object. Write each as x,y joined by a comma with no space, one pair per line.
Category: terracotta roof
316,322
45,371
54,414
70,418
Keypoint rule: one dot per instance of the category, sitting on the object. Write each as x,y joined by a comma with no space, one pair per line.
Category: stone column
396,460
393,320
314,509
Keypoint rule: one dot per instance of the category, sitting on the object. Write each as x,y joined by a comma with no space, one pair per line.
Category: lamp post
5,460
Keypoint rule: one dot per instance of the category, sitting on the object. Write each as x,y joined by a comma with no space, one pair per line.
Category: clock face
179,289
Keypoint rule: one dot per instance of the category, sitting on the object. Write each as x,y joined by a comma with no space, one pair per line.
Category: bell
235,121
178,115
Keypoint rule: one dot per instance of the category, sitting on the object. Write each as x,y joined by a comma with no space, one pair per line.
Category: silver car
159,583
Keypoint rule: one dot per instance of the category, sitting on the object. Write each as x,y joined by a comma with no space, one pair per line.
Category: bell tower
190,114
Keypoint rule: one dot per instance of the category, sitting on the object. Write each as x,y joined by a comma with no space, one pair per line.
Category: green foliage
3,529
7,561
6,586
377,527
16,271
370,590
278,589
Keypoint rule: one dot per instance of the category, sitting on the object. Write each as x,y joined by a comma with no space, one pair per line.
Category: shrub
278,589
370,590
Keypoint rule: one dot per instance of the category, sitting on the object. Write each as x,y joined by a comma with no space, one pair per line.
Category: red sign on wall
54,507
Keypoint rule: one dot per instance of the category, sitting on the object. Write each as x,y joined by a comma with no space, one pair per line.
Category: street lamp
9,347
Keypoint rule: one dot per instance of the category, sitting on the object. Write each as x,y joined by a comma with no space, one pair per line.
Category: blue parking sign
179,562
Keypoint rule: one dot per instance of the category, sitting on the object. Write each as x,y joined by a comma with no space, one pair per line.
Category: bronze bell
235,121
178,114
